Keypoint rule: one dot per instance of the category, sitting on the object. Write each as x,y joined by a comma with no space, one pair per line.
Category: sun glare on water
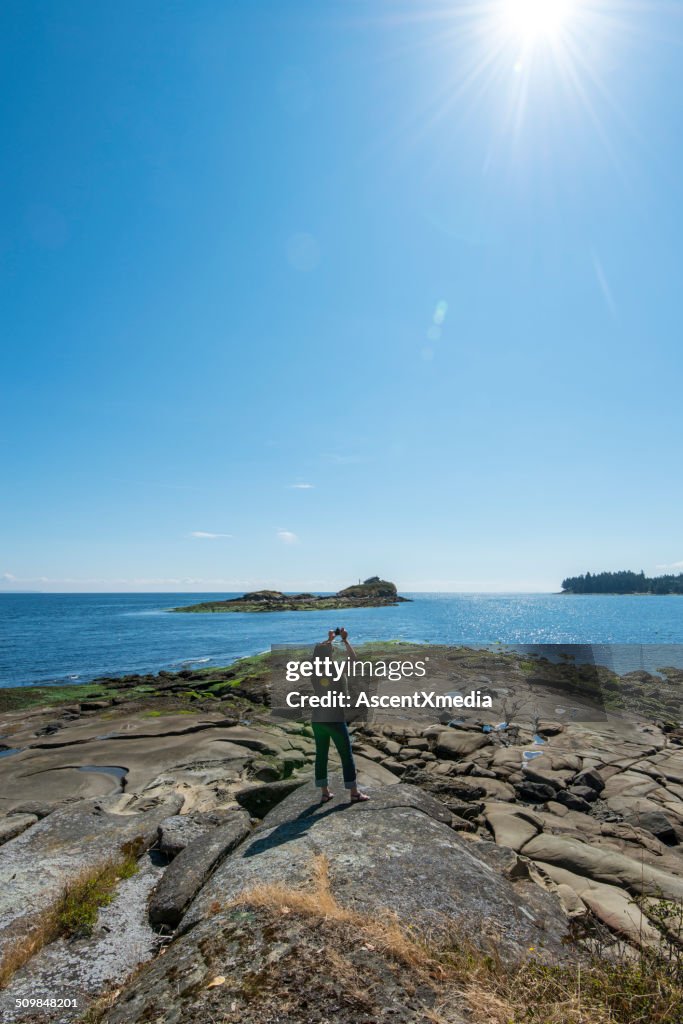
533,20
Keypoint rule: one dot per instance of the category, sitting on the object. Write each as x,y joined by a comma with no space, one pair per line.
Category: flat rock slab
262,968
122,727
451,744
35,867
604,865
610,904
185,875
264,741
15,825
178,831
510,829
395,852
54,773
305,804
81,968
654,822
370,773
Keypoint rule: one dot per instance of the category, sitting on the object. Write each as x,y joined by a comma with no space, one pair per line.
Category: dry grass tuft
594,989
384,932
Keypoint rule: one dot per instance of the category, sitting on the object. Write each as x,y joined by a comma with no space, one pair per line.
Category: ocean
58,638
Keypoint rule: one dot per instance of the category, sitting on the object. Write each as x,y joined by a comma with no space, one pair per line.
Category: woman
330,725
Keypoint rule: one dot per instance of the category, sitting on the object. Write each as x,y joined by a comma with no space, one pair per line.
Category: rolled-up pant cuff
351,784
321,783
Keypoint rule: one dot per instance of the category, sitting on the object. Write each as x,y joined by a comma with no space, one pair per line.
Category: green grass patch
16,698
74,913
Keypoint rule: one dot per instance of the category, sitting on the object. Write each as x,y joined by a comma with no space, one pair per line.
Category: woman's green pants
338,732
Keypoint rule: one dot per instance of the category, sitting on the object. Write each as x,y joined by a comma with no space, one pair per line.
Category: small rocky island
372,593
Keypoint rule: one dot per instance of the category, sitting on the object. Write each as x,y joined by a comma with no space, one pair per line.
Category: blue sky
423,262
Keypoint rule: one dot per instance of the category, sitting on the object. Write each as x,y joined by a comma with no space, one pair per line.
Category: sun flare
536,19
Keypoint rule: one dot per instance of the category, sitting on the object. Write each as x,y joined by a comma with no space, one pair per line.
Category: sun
532,20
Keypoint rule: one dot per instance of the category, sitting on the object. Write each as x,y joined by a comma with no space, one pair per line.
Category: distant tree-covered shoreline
624,582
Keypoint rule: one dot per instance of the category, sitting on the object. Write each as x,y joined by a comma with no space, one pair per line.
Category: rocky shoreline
372,593
562,807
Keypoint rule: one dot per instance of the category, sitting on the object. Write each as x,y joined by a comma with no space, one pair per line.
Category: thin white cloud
341,459
203,535
301,487
603,284
7,577
287,537
672,566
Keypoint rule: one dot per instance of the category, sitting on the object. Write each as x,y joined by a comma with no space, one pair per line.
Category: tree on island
623,582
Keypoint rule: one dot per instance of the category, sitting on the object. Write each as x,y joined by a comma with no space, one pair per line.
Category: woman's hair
322,651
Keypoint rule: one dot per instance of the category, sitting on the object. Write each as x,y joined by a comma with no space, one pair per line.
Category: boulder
183,878
604,865
535,792
496,789
572,904
591,778
632,807
50,729
447,787
468,811
510,758
451,744
631,783
656,823
572,801
258,800
571,822
459,824
546,729
510,829
611,905
179,831
371,753
547,778
586,793
266,771
563,760
417,743
634,834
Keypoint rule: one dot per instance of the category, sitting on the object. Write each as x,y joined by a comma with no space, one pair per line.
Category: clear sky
299,292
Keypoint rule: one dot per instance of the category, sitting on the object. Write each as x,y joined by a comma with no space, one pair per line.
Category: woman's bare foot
326,795
358,797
